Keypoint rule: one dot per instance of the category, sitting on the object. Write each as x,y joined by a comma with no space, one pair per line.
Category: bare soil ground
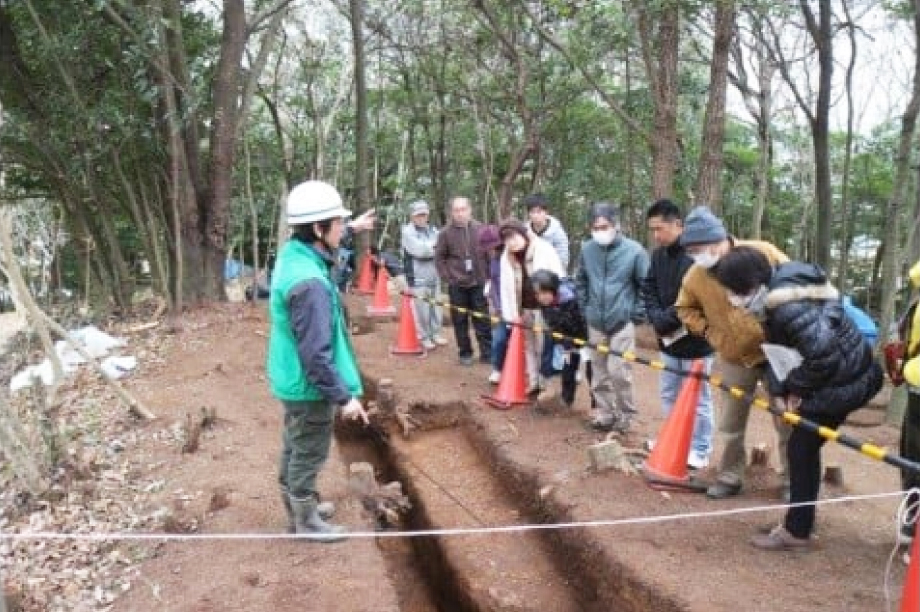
482,468
688,564
229,486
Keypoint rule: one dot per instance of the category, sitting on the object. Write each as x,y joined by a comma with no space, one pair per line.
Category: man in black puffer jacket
802,311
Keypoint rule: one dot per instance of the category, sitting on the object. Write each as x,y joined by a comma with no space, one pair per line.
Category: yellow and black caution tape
868,449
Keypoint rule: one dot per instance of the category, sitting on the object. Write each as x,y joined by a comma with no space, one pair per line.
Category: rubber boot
326,510
307,521
286,502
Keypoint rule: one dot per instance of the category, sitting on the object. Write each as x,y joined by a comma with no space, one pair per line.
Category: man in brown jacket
704,307
464,267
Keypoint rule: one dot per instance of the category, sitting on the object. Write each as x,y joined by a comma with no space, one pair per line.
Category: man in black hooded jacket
837,374
679,349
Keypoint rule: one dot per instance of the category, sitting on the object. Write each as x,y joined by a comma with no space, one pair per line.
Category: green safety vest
297,263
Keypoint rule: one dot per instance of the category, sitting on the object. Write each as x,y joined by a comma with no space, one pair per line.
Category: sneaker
466,361
721,490
428,345
696,461
549,392
780,539
495,377
600,424
439,340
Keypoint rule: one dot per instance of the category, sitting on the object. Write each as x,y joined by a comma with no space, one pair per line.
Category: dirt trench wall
614,586
603,582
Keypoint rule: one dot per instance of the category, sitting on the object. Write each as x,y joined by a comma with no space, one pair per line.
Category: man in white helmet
311,364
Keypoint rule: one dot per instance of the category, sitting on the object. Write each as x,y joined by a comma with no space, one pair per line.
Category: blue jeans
670,385
500,335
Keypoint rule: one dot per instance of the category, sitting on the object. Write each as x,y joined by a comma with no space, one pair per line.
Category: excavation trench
457,475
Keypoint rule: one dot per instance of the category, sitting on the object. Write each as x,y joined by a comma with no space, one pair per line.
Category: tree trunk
764,164
891,265
361,127
662,73
843,260
226,99
823,37
709,177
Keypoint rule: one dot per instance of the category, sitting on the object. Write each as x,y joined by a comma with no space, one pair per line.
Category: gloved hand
790,403
354,411
364,222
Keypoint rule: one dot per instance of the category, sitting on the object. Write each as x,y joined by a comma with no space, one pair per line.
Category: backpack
861,320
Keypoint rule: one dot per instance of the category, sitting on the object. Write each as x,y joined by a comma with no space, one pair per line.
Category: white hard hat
314,201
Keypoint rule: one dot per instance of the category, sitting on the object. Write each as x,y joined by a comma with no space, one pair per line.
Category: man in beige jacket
734,331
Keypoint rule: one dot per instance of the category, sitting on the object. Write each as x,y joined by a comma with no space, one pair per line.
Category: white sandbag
96,342
23,380
116,367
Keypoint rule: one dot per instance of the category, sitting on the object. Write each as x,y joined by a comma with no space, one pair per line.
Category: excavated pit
457,475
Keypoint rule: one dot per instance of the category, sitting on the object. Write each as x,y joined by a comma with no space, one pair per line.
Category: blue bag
861,320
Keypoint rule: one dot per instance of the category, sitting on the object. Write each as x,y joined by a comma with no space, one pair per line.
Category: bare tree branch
615,106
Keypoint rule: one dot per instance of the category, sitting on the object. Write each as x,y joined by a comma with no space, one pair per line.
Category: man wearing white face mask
611,269
734,332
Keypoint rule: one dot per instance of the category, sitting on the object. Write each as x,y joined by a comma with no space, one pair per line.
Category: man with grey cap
736,334
418,241
611,269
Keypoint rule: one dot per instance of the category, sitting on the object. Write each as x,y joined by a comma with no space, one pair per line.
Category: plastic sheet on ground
95,342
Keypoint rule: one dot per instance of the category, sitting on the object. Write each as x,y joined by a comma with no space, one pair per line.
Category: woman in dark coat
802,311
559,307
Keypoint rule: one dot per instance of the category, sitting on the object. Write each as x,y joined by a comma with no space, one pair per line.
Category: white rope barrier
443,532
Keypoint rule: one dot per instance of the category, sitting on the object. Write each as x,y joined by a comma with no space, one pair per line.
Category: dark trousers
568,375
470,298
910,449
546,359
305,446
804,453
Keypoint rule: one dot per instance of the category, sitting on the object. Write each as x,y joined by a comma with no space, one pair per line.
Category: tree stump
760,454
386,396
361,479
833,475
362,325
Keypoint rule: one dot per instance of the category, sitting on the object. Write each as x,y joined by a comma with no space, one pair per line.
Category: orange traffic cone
380,305
365,284
512,386
407,335
910,596
666,467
